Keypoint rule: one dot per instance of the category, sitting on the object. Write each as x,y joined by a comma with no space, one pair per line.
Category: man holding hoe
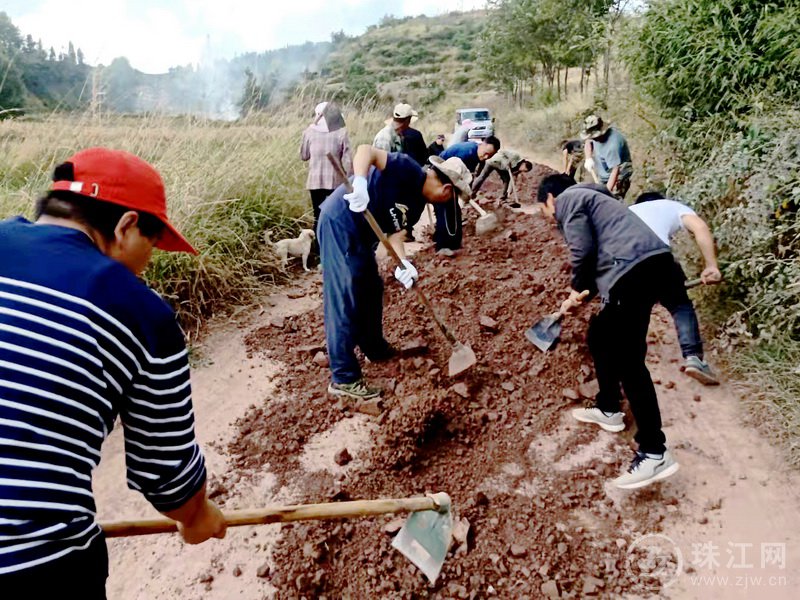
616,256
395,189
82,341
666,218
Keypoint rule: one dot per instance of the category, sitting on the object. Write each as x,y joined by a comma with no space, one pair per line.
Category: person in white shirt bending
667,217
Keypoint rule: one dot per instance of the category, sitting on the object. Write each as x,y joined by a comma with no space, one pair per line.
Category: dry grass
226,183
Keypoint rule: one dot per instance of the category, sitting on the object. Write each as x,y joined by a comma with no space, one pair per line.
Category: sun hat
124,179
320,122
456,171
327,117
593,127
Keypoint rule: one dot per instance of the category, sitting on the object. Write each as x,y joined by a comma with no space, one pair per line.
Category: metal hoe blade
486,224
544,334
461,359
425,537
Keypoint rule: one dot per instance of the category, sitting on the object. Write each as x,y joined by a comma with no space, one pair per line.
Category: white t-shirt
662,216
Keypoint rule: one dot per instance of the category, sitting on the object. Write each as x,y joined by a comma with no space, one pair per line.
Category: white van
482,125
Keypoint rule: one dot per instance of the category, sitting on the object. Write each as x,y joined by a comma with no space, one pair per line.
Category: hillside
418,59
415,59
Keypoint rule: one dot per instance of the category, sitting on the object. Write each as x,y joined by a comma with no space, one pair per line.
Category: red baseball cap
124,179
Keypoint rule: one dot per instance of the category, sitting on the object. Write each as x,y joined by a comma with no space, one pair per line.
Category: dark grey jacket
605,239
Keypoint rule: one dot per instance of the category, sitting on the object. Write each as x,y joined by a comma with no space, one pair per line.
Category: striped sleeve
163,459
162,455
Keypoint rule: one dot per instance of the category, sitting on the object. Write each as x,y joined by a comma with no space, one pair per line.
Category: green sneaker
358,390
698,369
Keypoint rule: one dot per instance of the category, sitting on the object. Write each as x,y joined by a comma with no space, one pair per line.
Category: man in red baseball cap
82,342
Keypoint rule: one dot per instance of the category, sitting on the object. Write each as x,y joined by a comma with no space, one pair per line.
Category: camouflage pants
623,180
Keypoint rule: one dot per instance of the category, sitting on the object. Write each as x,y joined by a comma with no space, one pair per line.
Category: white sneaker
608,421
645,469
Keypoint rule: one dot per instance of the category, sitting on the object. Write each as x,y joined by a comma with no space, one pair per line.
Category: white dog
299,246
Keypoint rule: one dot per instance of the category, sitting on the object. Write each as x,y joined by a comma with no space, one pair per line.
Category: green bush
716,56
748,188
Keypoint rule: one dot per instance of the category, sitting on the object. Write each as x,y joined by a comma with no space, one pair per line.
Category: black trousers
79,574
618,343
317,198
449,231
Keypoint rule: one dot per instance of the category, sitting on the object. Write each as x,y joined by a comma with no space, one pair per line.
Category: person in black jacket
616,256
437,146
414,146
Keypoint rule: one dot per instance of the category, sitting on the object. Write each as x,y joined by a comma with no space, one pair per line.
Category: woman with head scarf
325,134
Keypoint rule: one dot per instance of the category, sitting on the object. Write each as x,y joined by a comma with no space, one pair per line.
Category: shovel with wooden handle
545,333
462,357
424,538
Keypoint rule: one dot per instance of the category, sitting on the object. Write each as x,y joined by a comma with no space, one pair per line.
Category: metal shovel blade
425,537
461,359
486,224
544,334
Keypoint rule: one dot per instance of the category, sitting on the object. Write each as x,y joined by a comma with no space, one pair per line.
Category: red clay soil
551,531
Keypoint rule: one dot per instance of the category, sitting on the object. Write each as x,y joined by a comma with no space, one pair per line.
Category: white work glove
588,164
408,275
358,199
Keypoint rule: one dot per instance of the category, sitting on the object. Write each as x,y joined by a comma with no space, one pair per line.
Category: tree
12,90
254,96
526,39
10,38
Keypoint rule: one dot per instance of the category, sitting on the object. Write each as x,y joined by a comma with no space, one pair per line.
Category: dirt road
532,484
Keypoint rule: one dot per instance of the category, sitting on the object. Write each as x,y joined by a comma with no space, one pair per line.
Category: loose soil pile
531,484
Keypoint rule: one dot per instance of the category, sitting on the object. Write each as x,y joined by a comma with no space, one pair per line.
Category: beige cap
404,111
456,171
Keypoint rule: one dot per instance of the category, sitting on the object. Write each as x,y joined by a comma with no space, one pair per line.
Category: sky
157,34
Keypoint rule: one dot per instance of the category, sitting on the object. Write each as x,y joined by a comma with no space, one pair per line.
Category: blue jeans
675,299
352,289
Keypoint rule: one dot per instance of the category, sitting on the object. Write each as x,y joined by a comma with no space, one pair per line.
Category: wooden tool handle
477,207
693,283
562,313
280,514
393,253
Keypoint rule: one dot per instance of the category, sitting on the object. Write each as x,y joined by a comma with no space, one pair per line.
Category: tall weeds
226,184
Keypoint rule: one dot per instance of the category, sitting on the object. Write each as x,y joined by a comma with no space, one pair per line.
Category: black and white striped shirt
82,340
